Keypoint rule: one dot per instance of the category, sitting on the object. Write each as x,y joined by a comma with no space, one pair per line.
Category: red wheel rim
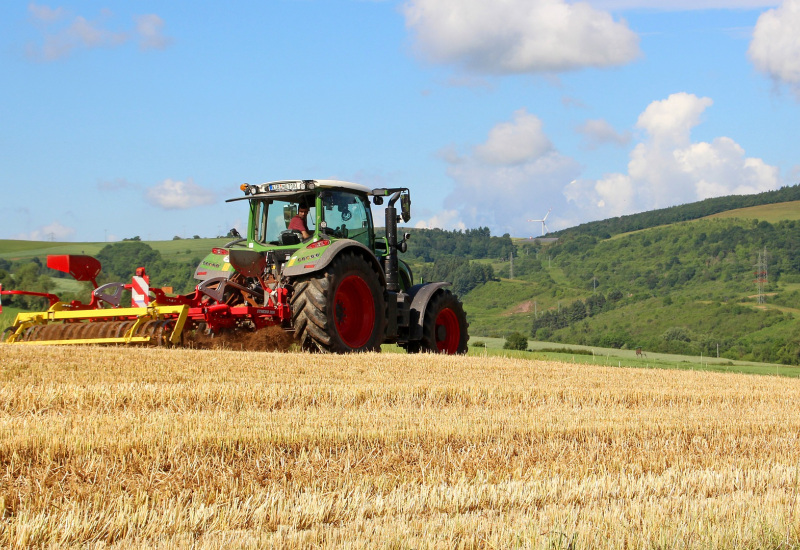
354,311
447,332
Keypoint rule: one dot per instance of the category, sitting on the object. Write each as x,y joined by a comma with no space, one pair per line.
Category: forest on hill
685,212
119,261
684,288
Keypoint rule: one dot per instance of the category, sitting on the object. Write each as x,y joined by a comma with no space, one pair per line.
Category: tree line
427,245
119,261
463,274
634,222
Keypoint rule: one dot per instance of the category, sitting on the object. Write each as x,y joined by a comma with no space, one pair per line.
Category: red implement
82,268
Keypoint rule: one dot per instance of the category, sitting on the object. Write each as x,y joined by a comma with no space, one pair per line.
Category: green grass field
7,317
589,355
180,250
771,213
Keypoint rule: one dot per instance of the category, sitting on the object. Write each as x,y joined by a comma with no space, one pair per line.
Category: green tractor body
313,243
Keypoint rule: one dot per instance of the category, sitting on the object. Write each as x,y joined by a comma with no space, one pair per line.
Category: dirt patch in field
272,338
524,307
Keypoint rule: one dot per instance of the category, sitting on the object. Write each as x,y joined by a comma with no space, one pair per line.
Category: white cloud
80,34
515,142
721,168
671,120
599,132
502,189
519,36
62,35
45,14
179,195
150,30
51,232
446,219
775,48
667,168
679,5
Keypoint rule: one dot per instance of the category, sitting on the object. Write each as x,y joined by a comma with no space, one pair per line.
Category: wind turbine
544,226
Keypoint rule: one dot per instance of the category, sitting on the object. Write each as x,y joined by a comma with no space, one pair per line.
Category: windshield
273,217
347,215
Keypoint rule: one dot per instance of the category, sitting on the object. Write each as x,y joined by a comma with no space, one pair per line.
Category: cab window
347,215
273,217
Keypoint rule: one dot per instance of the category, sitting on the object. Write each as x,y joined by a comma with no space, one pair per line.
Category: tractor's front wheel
444,327
340,309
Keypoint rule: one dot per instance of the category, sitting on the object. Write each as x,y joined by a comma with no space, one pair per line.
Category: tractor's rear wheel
444,327
340,309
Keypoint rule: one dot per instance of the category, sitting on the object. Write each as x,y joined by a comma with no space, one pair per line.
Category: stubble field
151,448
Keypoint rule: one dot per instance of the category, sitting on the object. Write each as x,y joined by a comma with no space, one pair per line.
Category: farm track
120,447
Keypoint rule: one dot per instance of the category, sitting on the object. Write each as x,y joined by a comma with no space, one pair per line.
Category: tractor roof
287,188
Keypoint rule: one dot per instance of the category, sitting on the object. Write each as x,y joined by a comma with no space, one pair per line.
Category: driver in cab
299,221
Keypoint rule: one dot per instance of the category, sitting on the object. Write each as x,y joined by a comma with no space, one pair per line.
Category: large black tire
340,309
444,328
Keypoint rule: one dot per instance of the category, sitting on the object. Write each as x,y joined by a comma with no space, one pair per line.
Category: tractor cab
278,222
336,209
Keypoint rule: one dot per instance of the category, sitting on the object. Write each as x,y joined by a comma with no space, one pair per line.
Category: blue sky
140,118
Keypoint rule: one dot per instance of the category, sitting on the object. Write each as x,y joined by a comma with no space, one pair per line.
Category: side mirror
405,207
377,201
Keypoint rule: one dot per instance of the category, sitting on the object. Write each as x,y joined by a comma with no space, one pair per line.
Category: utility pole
761,276
511,265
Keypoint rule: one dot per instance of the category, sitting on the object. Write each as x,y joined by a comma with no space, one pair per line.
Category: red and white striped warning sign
140,290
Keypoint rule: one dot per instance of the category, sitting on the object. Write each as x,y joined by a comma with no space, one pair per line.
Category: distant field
771,213
593,355
143,448
15,250
7,316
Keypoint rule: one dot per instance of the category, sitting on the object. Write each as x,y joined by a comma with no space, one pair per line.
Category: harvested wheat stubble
119,447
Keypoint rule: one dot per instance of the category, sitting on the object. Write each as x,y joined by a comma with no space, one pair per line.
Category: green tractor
311,262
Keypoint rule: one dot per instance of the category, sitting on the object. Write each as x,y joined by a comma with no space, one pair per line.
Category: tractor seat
290,237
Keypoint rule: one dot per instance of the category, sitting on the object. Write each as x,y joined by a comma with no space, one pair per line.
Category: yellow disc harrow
152,325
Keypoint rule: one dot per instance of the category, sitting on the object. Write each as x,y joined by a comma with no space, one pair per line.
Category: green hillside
687,287
771,213
680,213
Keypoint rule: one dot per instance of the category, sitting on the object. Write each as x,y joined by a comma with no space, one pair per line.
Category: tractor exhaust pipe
391,267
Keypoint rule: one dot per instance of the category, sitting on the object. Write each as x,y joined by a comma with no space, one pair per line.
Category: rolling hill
686,286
